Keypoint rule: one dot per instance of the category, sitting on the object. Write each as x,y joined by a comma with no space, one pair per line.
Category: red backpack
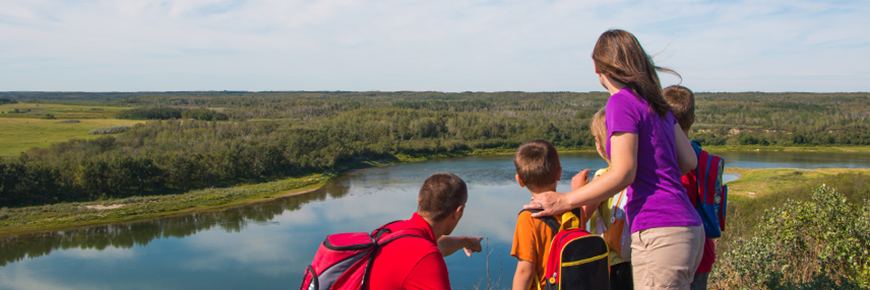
577,259
344,260
712,193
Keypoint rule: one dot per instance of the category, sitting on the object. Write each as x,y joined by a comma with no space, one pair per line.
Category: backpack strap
551,221
697,147
383,236
382,230
571,220
548,220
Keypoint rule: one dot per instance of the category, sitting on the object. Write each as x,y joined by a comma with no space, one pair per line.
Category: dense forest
7,101
269,135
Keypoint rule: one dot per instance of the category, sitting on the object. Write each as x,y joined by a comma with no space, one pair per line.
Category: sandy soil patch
99,207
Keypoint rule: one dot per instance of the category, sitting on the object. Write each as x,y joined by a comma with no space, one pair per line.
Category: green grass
60,111
20,134
760,182
788,149
21,131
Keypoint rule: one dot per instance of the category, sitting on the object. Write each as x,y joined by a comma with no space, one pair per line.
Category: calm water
267,245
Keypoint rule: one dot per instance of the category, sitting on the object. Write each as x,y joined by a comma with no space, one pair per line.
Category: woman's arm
623,149
686,157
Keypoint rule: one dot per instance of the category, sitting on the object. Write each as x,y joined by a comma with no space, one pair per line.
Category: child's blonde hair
598,129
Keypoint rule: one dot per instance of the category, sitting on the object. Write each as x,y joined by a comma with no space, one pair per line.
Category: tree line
271,135
7,101
168,113
177,155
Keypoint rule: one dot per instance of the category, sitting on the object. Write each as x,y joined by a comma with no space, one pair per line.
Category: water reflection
126,236
266,245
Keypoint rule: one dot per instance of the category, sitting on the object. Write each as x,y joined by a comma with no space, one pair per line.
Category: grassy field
60,111
22,131
20,134
760,182
862,149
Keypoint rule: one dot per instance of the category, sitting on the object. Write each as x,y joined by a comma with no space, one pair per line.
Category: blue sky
391,45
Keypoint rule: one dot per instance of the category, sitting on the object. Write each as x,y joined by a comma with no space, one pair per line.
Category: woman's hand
550,203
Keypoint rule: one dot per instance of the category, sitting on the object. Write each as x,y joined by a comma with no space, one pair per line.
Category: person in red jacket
682,102
418,263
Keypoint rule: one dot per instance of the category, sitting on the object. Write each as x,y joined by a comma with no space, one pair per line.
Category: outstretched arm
623,148
450,244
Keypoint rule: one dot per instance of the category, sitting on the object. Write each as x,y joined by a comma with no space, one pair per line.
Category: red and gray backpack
712,193
344,261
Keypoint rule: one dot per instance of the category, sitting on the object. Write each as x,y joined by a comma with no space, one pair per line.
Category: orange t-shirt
531,239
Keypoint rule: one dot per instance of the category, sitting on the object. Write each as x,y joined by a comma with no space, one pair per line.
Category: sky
412,45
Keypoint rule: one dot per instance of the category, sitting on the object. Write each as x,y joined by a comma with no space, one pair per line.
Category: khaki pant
666,258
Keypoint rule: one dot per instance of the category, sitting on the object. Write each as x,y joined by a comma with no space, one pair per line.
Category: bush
109,130
820,243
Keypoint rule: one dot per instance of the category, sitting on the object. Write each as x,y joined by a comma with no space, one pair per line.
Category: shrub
820,243
109,130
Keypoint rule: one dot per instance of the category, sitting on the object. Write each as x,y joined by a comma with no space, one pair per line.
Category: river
268,245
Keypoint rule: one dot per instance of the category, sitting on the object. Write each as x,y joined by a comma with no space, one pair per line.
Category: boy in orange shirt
538,169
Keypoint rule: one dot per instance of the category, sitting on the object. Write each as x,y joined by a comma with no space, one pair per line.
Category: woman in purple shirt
649,153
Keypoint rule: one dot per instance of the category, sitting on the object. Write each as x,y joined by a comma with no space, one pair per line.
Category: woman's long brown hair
620,56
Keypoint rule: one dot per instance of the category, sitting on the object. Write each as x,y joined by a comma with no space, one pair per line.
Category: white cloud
422,45
22,277
110,254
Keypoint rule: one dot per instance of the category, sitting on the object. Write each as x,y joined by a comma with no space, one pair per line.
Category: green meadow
60,111
29,128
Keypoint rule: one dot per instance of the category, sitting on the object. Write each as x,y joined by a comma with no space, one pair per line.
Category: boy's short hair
441,194
682,102
537,163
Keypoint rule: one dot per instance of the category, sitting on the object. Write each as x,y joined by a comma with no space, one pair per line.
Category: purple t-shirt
656,198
